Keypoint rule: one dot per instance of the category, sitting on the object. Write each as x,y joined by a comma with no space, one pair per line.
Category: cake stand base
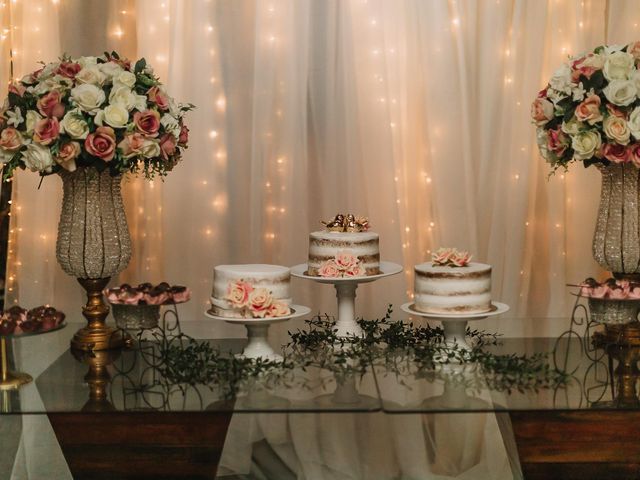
455,326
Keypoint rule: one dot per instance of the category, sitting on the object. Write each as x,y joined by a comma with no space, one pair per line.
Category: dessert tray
346,292
455,325
258,330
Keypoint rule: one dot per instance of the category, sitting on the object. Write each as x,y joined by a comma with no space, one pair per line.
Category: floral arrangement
17,320
255,302
590,110
450,257
148,294
344,264
347,223
610,289
99,112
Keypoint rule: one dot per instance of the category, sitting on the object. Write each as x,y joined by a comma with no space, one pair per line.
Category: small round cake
251,291
453,285
344,249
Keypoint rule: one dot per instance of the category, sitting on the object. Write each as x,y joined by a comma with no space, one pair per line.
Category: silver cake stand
455,325
258,331
346,293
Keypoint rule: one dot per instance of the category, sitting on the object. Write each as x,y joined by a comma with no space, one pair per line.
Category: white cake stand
346,293
455,325
258,331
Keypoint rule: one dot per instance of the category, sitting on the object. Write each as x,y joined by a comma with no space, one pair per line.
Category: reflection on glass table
174,373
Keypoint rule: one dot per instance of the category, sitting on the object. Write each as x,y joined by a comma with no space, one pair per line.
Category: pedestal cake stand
455,325
258,331
346,293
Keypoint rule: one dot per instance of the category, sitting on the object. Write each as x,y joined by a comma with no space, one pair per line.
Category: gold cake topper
347,223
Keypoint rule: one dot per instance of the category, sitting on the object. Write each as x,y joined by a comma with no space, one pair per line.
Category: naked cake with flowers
251,291
345,248
451,284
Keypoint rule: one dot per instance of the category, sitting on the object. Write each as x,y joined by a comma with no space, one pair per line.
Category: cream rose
616,128
618,66
279,309
123,96
621,92
6,155
91,75
140,103
561,79
37,158
87,61
88,97
541,111
116,115
150,149
634,123
572,127
124,79
33,117
110,69
585,144
74,125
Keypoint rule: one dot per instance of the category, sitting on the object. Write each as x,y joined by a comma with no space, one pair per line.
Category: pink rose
67,155
278,309
541,111
17,88
557,141
355,271
589,110
615,153
112,296
585,66
616,112
238,293
49,105
158,97
132,297
183,138
181,296
147,122
345,260
634,153
131,145
167,145
443,256
634,49
260,301
329,269
461,259
543,93
10,139
46,131
68,69
101,143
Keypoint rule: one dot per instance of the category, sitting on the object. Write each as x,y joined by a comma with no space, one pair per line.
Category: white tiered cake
451,284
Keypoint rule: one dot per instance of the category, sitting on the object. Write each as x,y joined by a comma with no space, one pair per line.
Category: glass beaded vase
93,245
616,242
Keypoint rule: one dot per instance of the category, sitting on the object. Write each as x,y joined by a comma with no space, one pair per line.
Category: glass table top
166,371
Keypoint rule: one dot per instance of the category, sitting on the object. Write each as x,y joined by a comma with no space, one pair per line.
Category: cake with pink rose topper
452,284
345,248
251,291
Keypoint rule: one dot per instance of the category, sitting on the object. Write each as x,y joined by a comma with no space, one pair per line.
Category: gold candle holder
97,335
10,380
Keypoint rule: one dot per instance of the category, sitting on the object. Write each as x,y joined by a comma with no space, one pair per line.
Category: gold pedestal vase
93,245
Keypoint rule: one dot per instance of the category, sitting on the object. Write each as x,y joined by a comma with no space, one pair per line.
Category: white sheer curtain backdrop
414,113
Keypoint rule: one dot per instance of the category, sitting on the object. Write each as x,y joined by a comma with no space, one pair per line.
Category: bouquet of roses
590,110
92,112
